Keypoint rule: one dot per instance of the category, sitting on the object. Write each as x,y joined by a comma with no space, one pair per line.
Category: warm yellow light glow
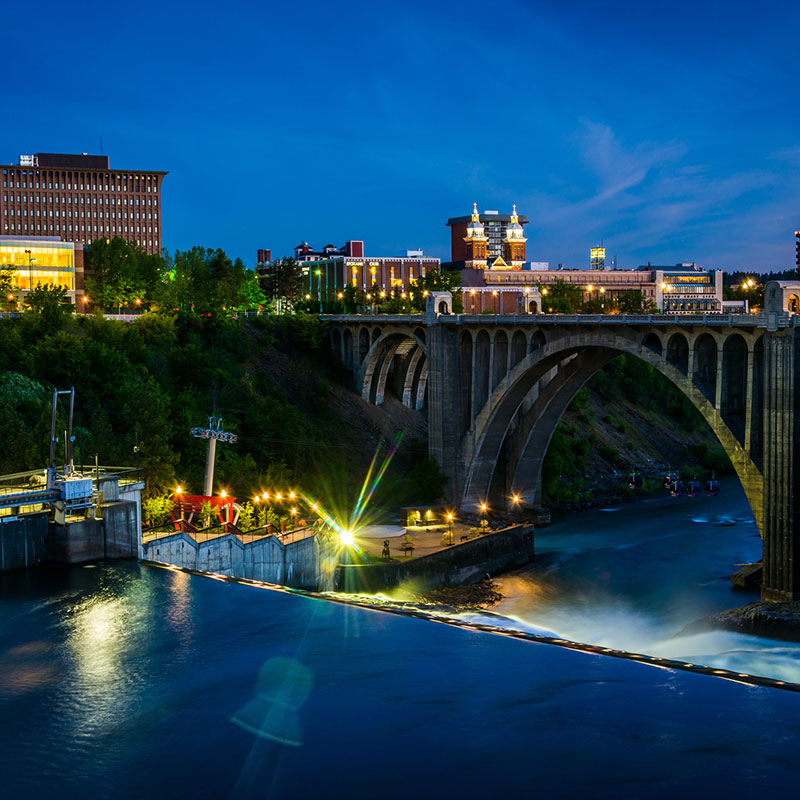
178,490
340,295
315,507
369,297
308,297
291,494
138,301
544,291
256,499
663,286
449,517
472,291
85,299
425,293
402,294
602,289
11,297
266,495
515,498
383,294
293,511
590,287
277,495
494,293
484,507
223,493
346,538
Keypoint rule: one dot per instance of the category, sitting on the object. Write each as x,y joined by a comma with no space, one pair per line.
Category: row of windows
78,175
101,215
24,226
83,187
122,201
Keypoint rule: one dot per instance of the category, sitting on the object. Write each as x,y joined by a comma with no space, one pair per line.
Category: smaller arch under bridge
495,387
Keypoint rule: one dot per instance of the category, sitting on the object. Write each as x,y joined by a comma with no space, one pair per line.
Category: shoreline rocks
759,618
478,596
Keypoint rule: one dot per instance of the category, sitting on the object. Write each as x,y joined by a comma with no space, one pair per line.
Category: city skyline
671,138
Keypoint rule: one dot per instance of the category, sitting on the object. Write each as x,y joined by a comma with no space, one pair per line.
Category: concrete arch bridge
495,387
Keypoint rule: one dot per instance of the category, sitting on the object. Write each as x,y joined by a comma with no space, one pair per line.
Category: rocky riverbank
771,620
479,595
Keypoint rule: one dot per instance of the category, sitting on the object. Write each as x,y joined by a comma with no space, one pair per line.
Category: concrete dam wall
298,564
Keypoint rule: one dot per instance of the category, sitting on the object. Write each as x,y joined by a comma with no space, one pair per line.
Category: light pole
602,299
31,262
178,492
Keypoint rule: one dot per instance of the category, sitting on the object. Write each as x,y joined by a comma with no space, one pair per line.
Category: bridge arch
381,358
519,346
678,352
504,450
653,342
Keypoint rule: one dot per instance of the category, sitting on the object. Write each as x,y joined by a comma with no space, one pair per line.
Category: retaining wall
460,564
22,541
296,564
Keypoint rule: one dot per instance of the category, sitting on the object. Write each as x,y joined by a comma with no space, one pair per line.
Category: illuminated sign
597,257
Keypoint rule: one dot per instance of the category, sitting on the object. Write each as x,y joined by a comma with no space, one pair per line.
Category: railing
760,320
168,529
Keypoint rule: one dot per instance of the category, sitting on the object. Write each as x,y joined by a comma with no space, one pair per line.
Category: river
122,681
631,577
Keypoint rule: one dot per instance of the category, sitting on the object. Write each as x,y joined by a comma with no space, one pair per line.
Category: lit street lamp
31,261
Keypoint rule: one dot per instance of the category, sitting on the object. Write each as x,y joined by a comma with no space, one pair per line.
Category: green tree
7,286
561,298
118,273
632,301
437,281
50,304
283,284
246,520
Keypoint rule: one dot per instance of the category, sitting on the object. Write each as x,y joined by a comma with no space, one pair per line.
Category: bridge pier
444,412
780,534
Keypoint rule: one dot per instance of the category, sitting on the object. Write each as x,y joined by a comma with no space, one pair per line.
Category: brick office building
495,229
78,198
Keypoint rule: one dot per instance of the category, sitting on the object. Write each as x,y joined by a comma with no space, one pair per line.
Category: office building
682,289
797,250
79,198
329,274
495,230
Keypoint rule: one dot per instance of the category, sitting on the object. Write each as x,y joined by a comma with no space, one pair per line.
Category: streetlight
602,298
31,261
178,492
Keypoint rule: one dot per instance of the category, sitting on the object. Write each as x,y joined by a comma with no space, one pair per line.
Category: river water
631,577
123,681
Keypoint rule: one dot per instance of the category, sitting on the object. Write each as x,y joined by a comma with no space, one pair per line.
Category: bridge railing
760,320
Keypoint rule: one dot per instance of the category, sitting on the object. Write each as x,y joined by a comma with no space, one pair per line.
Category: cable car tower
213,433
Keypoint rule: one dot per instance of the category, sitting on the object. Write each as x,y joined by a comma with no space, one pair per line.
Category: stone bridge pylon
495,387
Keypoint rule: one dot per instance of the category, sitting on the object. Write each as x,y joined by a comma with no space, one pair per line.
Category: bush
610,454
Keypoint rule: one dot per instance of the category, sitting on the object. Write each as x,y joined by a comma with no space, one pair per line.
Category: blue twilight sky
672,132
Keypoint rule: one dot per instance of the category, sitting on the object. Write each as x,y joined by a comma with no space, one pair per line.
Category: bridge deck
770,321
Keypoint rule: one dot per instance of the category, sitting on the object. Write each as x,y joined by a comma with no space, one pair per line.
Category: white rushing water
632,577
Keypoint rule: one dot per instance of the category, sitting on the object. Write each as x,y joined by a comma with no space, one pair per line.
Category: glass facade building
42,261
